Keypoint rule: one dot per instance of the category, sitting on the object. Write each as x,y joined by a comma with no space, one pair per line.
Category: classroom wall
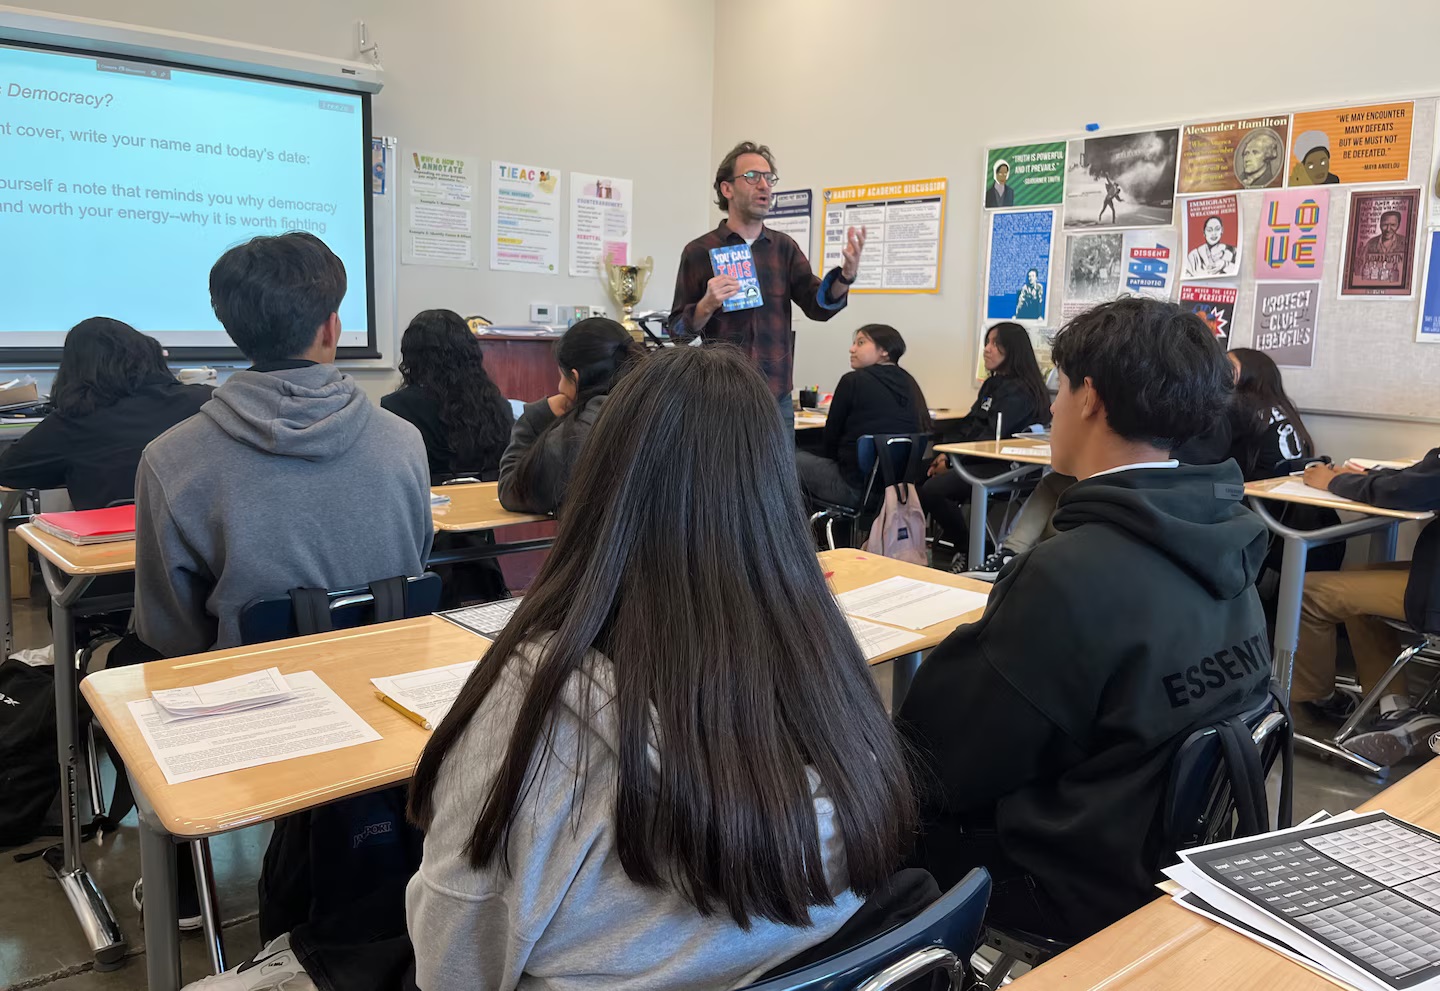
847,91
624,90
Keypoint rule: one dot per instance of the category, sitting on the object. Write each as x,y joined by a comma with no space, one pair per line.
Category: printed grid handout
1368,889
486,619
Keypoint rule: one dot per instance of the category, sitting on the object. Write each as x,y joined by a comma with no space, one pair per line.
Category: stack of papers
910,603
1033,450
486,619
876,640
92,526
1355,896
246,691
424,696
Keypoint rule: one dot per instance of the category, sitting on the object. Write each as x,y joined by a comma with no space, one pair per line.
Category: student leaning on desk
1051,723
1362,599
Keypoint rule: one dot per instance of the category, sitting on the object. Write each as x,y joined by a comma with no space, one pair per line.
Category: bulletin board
1365,358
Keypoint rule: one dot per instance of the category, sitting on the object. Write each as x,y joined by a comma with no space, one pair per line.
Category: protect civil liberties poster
1284,322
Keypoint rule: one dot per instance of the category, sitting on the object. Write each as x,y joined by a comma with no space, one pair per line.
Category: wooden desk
114,558
1035,456
476,506
852,569
1382,524
1164,946
810,419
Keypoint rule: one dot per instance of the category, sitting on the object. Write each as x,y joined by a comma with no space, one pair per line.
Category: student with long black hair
674,790
1013,398
878,397
459,411
536,466
113,394
1268,437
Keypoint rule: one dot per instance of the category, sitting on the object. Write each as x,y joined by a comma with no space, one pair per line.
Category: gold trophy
627,285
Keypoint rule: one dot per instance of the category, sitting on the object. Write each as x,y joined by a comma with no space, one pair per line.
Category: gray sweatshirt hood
315,413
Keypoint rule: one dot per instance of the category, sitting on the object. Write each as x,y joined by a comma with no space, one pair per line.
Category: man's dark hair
272,293
1157,368
726,171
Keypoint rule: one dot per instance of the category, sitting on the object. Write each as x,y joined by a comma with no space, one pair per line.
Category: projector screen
122,181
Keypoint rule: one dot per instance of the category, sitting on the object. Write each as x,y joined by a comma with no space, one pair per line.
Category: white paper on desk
910,603
316,720
487,619
429,693
1033,450
875,639
245,691
1300,490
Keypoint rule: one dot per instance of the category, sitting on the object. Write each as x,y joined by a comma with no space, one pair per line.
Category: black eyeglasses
753,178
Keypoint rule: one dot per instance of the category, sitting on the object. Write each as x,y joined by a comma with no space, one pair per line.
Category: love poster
1291,239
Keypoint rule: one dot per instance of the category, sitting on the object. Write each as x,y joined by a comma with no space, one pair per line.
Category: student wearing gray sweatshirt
287,477
546,440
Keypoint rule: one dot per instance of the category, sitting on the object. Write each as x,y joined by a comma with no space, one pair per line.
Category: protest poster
1212,237
1150,259
1284,322
1380,237
1213,303
1121,180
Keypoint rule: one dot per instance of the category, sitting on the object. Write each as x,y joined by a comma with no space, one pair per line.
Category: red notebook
93,526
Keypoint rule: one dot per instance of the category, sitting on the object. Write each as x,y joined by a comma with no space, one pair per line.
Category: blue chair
938,940
305,611
1216,792
904,462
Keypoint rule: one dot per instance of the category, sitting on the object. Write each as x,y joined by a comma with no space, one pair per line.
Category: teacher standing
743,186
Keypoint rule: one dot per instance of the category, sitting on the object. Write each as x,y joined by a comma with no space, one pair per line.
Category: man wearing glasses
743,185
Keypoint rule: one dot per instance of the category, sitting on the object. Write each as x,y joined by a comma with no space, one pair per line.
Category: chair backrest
1422,592
1217,778
940,938
904,462
280,617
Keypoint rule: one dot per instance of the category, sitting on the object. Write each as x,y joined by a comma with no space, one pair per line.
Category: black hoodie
1053,719
877,399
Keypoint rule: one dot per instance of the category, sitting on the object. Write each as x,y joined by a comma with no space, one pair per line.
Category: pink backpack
899,530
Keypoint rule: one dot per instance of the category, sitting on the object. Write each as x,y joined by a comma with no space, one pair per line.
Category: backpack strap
311,607
389,599
1247,778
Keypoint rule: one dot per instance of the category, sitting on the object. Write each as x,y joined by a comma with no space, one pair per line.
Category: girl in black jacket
1268,437
878,397
1014,398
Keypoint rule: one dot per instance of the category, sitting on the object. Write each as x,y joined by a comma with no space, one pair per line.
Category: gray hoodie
283,479
567,917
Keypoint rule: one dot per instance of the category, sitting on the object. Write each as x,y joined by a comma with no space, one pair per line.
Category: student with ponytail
535,468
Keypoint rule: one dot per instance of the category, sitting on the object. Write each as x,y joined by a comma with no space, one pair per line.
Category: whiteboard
1367,362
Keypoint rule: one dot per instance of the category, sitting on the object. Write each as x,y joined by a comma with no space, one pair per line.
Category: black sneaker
998,560
958,563
1337,707
1395,736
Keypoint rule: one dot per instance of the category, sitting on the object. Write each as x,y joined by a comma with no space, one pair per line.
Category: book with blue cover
736,261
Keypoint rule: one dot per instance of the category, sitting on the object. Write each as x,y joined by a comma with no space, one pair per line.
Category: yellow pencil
414,717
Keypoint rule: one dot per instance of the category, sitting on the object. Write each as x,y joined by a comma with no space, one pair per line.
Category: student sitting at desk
1013,399
535,468
113,394
1050,724
878,397
584,822
460,413
1362,599
288,477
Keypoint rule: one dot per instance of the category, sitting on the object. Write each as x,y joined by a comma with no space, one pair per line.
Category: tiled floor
41,945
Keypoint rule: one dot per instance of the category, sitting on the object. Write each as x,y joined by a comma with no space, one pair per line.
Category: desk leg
8,502
1287,613
979,509
902,674
162,925
96,918
1383,544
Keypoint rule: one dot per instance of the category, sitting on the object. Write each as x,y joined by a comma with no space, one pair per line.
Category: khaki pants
1354,598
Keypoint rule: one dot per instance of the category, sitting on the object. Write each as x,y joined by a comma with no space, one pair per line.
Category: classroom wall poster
904,233
1212,237
1025,175
1290,241
790,214
1092,271
524,218
1233,154
1427,331
602,212
1380,238
1351,145
1151,263
1018,268
1121,180
440,221
1432,181
378,155
1284,322
1213,303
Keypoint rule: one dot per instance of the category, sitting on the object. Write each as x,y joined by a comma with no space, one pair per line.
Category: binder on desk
91,526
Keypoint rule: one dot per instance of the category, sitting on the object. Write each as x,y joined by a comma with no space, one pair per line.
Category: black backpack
29,769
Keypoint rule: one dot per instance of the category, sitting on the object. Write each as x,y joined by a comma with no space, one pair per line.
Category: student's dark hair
600,351
1155,366
1020,364
888,339
440,356
1258,390
726,171
104,361
743,674
271,294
